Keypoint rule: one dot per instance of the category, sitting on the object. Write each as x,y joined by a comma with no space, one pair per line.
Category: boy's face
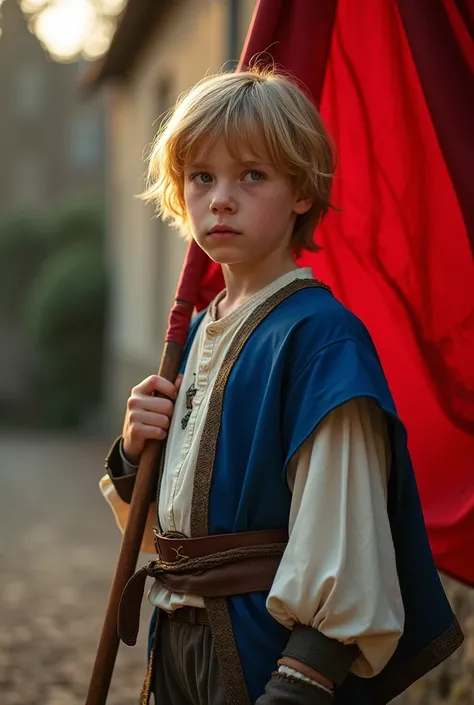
241,210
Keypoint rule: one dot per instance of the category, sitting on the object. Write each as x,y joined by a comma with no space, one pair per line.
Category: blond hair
246,107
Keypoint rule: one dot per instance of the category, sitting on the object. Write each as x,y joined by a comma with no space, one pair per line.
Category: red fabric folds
398,255
444,59
296,35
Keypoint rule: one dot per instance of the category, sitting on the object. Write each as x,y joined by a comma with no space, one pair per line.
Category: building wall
147,255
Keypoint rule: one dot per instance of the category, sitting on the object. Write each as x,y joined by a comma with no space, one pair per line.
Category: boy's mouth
222,230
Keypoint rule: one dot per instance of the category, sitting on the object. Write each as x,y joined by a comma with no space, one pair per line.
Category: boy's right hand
148,416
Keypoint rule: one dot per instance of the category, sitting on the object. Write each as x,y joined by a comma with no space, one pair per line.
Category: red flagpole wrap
188,292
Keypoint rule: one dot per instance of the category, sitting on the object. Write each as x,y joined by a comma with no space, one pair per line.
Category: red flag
394,83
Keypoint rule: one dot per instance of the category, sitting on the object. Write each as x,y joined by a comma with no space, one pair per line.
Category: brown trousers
186,670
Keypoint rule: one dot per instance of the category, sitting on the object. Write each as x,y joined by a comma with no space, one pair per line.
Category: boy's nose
222,203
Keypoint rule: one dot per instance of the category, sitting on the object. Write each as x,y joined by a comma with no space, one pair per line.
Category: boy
293,563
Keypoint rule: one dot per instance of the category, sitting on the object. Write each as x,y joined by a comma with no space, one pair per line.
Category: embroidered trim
219,618
146,688
226,650
399,678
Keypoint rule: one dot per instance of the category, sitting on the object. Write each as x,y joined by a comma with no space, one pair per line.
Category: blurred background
87,275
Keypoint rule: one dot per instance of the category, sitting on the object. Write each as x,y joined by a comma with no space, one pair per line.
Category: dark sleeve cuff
114,465
284,690
329,657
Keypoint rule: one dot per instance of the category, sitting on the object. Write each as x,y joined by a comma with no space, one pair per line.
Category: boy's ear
302,205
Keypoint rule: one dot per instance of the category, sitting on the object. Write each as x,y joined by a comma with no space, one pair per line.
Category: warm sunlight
97,43
72,28
64,26
32,5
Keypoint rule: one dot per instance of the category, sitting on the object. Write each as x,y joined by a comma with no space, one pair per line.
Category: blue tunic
307,357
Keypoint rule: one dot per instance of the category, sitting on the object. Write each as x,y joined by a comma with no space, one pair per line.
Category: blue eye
202,177
253,176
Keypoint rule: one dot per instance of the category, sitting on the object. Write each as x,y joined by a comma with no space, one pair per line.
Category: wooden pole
131,542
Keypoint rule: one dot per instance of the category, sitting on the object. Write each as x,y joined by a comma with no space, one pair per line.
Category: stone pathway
58,547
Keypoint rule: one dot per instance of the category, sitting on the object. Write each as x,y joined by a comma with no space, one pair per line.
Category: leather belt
219,565
172,548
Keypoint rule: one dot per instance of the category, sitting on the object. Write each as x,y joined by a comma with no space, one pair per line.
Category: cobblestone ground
58,547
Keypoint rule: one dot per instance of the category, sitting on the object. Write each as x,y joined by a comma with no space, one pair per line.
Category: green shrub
65,319
53,295
77,221
25,243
